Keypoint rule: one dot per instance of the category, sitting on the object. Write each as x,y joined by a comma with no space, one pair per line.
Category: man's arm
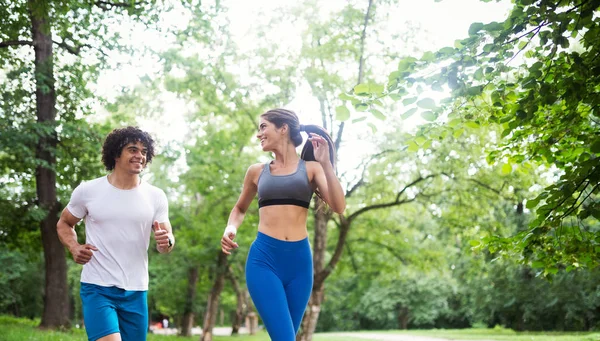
68,237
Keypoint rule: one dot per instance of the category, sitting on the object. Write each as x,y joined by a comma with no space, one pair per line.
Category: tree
329,47
46,92
535,76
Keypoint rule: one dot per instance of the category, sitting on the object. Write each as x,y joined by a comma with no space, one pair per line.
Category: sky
442,23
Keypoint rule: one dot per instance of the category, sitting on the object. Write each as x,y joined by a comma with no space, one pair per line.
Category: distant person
165,323
120,212
279,268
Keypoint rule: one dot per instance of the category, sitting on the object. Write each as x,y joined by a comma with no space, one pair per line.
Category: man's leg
133,315
99,313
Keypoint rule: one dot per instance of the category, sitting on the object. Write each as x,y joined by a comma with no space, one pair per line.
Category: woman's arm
329,187
236,217
324,177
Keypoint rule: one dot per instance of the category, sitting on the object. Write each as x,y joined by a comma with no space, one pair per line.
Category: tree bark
311,315
56,295
403,315
212,306
188,311
240,309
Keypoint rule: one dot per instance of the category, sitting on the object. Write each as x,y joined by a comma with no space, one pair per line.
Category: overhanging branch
108,5
396,202
391,249
16,43
364,166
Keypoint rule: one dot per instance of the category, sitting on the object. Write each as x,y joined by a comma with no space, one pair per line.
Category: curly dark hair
119,138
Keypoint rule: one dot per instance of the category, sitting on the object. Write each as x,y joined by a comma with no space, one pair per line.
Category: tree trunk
188,311
403,315
240,309
311,315
251,316
212,306
56,294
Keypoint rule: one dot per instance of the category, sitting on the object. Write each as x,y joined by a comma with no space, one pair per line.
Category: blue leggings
279,276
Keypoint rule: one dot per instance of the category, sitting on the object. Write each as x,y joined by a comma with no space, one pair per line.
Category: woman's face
268,134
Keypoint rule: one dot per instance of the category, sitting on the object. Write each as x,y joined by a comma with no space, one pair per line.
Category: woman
279,271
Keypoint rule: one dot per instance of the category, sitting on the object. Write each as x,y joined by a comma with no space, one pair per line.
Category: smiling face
132,159
269,135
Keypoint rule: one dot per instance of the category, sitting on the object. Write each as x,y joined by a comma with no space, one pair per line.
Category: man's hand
82,253
162,237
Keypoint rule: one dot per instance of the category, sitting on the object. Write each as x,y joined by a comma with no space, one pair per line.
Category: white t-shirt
119,224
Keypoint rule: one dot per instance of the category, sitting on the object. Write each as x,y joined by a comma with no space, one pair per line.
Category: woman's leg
269,297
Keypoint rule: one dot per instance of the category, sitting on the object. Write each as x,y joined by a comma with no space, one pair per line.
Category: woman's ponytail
308,154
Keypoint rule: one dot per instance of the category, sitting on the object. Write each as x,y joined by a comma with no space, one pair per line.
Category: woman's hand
320,148
227,243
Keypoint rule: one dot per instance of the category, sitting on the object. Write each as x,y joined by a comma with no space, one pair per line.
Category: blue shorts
109,310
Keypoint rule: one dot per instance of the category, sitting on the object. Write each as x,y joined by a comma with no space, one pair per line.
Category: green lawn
499,334
13,329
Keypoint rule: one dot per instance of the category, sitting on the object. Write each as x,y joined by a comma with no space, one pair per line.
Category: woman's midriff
284,222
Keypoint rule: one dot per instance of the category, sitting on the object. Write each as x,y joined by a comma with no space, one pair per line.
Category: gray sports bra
290,189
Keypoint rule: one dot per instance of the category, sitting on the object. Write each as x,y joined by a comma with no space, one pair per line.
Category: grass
495,334
17,329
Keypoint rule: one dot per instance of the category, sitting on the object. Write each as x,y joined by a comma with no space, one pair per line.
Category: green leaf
475,27
454,122
531,204
493,26
412,146
427,144
538,264
595,147
409,101
406,64
472,124
377,114
360,119
394,76
428,115
361,89
474,242
409,113
428,56
506,169
376,88
395,97
361,107
447,51
342,113
372,126
345,97
420,140
426,103
478,75
457,133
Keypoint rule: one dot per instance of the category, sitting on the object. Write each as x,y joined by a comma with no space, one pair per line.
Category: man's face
133,158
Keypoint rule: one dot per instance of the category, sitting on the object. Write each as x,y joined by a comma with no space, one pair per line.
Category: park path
226,331
391,337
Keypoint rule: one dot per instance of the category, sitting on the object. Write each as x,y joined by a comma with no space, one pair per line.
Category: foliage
534,75
20,284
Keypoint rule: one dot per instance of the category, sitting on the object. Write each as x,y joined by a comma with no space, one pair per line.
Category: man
120,213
